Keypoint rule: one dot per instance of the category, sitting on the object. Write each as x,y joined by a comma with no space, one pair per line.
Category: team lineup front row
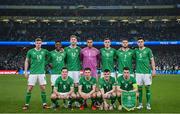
65,76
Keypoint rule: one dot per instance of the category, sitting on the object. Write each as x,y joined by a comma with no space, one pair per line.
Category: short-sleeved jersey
73,58
87,85
125,59
107,85
143,58
64,85
107,58
38,60
126,84
57,59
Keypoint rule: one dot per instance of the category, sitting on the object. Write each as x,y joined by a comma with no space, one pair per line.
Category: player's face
38,44
87,73
126,74
64,73
58,46
125,44
107,43
140,43
89,43
73,40
106,75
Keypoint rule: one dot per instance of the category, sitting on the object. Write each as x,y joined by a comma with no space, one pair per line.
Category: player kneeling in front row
107,86
87,87
63,89
125,83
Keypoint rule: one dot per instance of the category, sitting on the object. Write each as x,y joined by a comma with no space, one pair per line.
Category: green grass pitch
165,96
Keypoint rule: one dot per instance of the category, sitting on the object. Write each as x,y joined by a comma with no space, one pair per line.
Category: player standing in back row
125,57
36,58
57,62
108,57
144,62
90,58
73,59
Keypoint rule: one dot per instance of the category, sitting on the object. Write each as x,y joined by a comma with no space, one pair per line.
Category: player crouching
107,86
86,89
125,83
63,89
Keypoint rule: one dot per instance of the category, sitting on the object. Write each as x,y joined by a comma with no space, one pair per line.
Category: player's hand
153,73
88,95
26,75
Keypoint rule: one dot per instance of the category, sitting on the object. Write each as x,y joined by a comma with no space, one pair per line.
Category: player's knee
99,94
118,94
114,94
53,96
43,87
73,95
30,88
105,96
93,95
77,96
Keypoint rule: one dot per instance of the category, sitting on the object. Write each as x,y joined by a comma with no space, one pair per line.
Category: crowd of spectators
98,31
89,2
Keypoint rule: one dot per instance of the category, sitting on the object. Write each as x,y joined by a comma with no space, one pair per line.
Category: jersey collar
37,49
142,48
72,47
87,79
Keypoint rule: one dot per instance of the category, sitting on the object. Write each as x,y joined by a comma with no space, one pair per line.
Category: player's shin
140,94
28,97
119,99
113,99
43,97
52,89
148,94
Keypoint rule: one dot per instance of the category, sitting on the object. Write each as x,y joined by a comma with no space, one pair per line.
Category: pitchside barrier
148,43
26,43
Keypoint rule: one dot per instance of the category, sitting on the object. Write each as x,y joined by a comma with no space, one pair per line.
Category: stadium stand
90,2
49,31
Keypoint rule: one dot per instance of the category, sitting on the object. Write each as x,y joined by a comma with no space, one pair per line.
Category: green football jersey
73,58
57,59
107,85
107,58
75,90
126,84
38,60
64,85
125,59
87,85
143,58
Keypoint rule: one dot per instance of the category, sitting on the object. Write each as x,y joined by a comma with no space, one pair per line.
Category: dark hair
106,70
89,39
126,68
106,39
87,69
141,38
38,39
124,39
64,68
